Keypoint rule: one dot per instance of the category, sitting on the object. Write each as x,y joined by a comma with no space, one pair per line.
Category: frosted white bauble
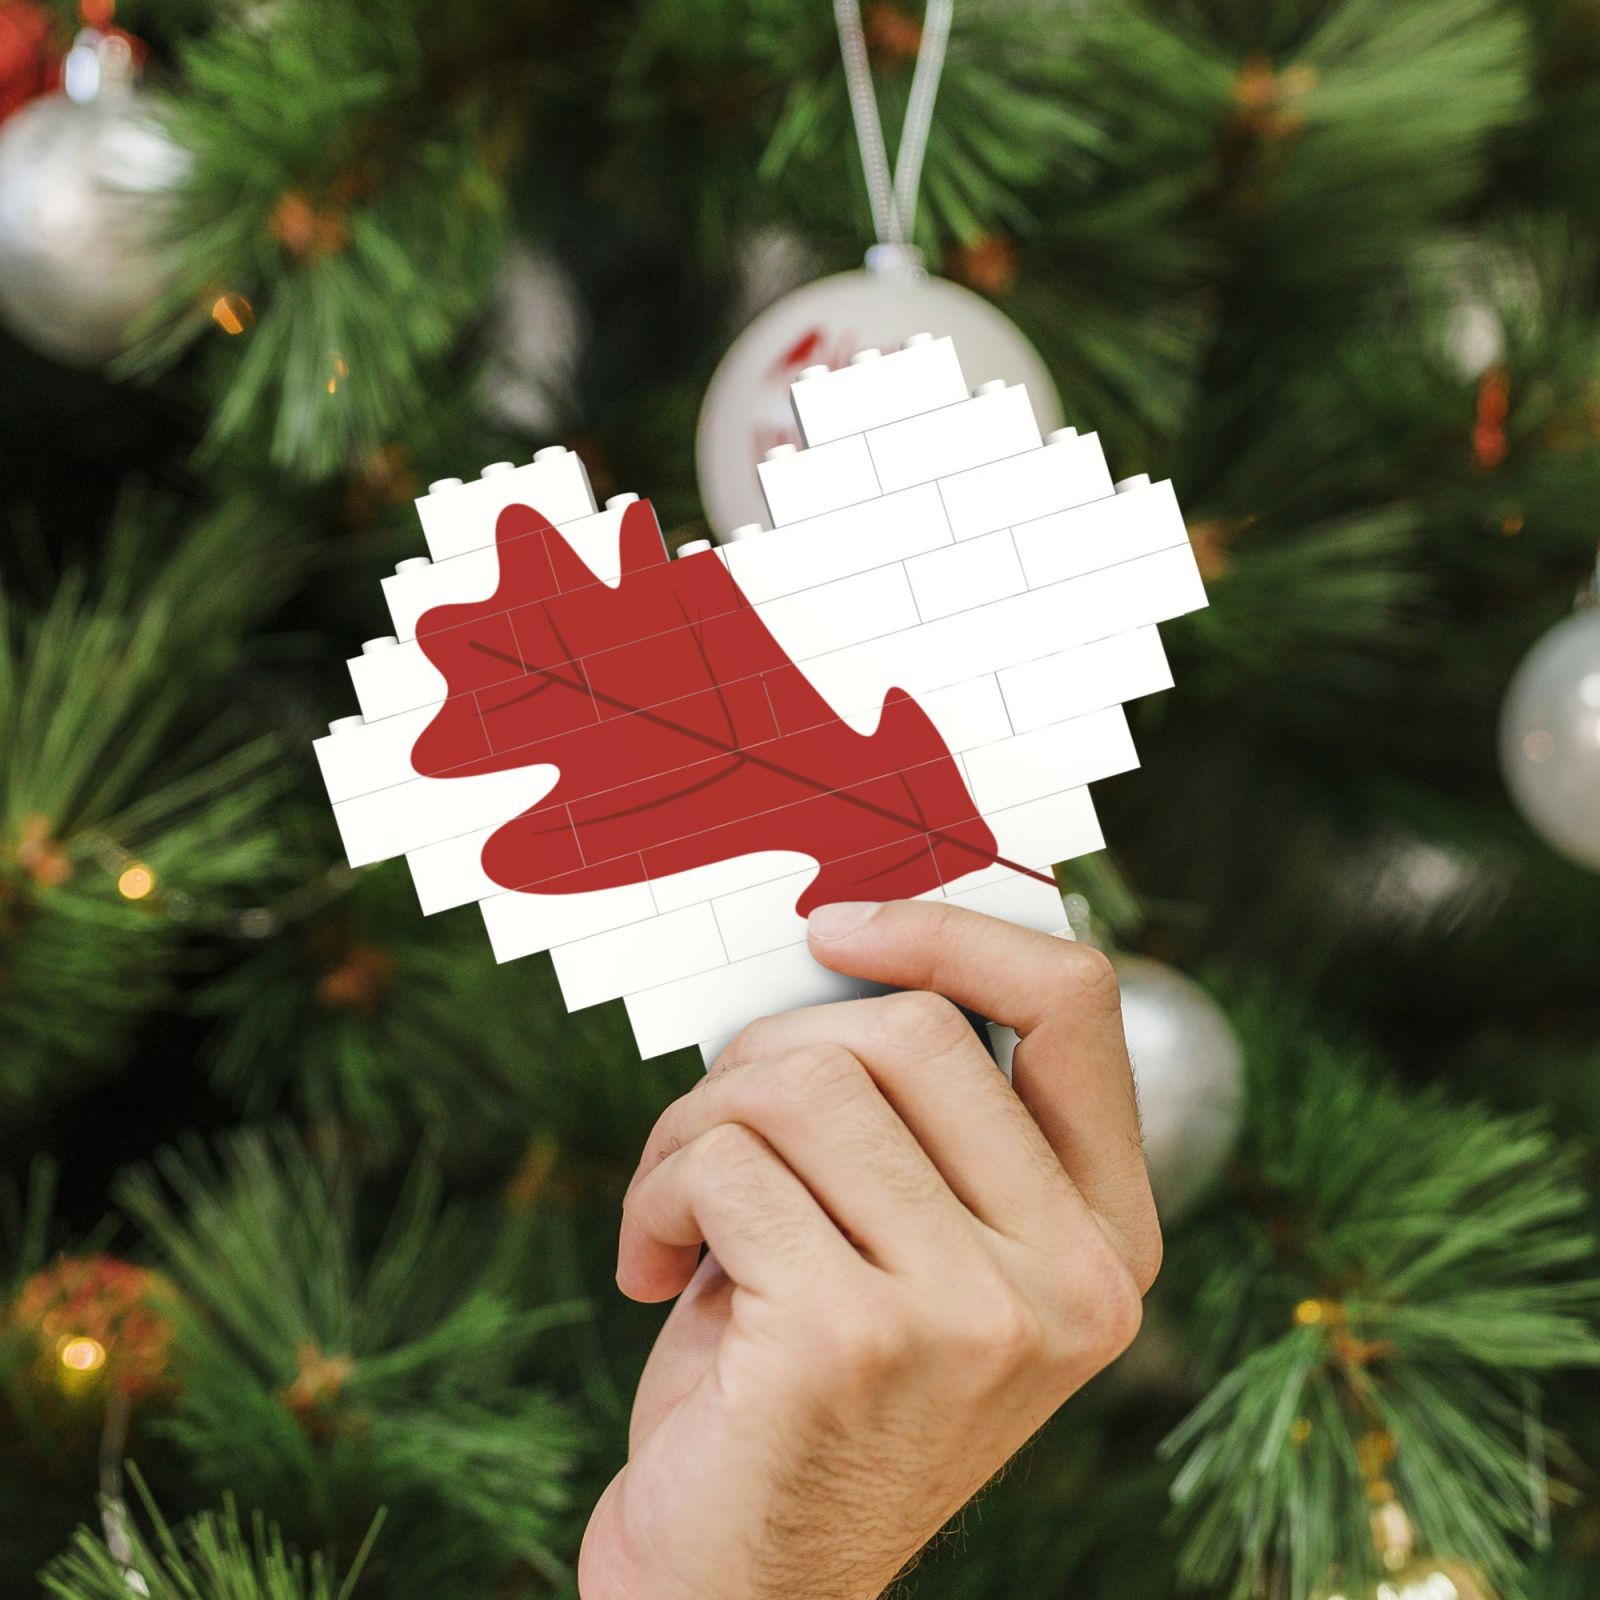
536,335
1190,1076
1550,737
82,187
746,410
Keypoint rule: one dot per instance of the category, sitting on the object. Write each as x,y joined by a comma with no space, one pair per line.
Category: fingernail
839,919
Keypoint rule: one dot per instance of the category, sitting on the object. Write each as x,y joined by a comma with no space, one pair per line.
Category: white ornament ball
81,190
536,336
824,323
1550,737
1190,1076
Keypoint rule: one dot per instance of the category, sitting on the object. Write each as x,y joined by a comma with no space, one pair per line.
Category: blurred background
309,1207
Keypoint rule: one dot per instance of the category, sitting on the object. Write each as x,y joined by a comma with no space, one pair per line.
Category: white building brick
463,579
939,443
524,924
1105,672
867,394
846,611
1037,834
1021,488
1065,755
722,1000
991,638
376,755
389,822
810,483
1024,901
1134,522
821,549
972,573
460,516
763,917
400,678
639,956
450,873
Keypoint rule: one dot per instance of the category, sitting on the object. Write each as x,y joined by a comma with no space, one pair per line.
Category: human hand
910,1263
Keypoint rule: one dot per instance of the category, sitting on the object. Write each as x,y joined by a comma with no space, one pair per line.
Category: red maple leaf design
683,733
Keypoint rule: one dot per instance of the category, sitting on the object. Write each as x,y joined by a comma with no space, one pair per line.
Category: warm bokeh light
340,370
135,881
232,313
82,1354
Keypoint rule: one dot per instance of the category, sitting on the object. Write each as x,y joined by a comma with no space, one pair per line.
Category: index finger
1071,1066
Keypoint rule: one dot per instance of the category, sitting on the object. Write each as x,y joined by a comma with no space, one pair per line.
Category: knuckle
865,1339
995,1335
663,1138
729,1153
927,1022
816,1077
748,1044
1014,1340
1107,1306
1149,1250
951,922
1093,978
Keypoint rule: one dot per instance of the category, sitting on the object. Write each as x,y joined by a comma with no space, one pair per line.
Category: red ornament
29,63
683,733
95,1314
1489,428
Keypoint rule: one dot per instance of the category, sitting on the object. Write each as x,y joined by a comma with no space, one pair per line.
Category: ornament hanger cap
98,63
896,261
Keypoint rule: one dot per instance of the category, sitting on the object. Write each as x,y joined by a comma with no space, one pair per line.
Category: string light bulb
82,1354
135,881
232,313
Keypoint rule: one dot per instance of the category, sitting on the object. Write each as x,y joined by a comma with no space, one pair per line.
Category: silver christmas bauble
1190,1076
746,410
535,337
81,187
1550,737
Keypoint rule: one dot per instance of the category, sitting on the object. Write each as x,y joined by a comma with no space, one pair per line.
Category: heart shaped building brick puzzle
653,767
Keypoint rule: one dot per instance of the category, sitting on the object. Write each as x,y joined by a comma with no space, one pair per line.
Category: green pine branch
327,1369
209,1557
1391,1268
358,233
113,768
360,1015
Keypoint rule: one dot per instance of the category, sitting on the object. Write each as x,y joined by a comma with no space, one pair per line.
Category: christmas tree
310,1206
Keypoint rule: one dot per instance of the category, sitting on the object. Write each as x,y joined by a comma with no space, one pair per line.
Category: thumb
1010,974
